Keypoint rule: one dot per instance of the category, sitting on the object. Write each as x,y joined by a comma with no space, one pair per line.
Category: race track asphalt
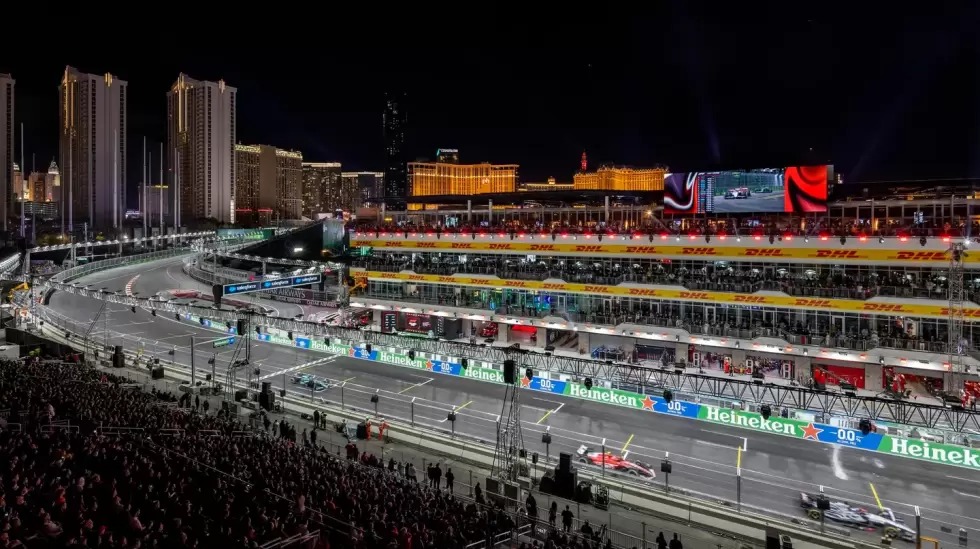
774,469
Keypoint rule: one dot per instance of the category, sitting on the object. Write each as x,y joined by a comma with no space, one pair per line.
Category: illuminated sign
288,282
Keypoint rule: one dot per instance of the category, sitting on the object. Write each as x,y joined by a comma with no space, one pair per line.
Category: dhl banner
719,252
841,305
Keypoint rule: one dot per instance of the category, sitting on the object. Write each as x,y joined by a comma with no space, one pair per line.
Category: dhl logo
699,251
921,256
750,299
763,252
425,245
552,286
516,284
642,291
415,277
480,281
462,245
542,248
694,295
838,254
447,279
389,275
497,246
967,313
641,250
597,289
392,244
588,248
883,307
824,303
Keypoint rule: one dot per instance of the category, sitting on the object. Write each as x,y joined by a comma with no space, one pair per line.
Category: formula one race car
857,517
310,382
301,379
740,192
616,463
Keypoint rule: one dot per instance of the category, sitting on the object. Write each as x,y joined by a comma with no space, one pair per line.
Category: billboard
797,189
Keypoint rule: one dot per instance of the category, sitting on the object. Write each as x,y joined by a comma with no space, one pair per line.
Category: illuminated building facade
92,116
201,126
610,178
52,183
447,156
321,187
550,185
6,145
268,184
442,179
394,125
370,185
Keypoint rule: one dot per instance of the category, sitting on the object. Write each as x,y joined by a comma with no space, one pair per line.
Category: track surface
775,469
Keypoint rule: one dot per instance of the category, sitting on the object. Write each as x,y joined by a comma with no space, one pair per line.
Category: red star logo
352,352
647,403
429,365
526,382
811,432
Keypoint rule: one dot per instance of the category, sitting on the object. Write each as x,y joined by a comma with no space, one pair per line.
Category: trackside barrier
744,525
937,453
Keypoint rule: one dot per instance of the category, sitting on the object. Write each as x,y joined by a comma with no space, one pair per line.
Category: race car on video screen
858,517
617,463
739,192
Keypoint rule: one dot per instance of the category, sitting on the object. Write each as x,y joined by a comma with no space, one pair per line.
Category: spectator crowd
91,461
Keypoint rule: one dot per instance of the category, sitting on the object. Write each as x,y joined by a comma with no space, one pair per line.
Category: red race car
616,463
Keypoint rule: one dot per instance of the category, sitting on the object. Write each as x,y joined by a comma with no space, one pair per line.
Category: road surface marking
964,479
627,445
409,388
964,494
875,493
839,471
715,444
549,412
464,406
745,441
738,462
350,379
171,337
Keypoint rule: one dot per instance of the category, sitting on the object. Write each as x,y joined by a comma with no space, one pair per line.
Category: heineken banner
947,454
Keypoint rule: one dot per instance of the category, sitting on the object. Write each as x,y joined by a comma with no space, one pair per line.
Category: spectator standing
566,519
553,514
661,541
206,406
449,479
437,473
676,543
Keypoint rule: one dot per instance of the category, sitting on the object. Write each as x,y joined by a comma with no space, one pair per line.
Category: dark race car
858,517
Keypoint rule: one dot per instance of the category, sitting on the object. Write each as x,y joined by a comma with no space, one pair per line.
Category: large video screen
799,189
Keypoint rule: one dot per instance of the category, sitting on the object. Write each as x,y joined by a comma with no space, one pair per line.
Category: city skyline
802,84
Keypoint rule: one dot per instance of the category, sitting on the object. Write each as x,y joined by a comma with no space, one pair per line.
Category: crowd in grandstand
756,225
90,461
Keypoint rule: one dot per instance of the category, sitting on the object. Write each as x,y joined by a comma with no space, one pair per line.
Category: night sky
882,95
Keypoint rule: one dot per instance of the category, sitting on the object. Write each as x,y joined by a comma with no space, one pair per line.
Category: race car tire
632,472
814,514
583,460
891,532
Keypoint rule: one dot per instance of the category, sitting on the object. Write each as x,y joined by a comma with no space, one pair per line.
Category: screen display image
419,324
800,189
